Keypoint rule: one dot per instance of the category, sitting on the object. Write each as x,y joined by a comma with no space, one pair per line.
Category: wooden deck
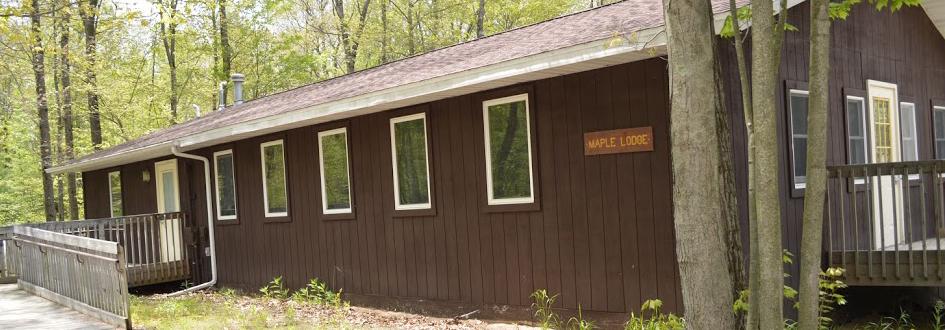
21,310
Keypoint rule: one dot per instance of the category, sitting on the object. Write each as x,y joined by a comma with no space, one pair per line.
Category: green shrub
547,319
275,289
656,319
937,316
317,292
903,322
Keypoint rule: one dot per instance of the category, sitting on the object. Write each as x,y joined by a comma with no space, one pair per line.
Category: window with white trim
114,194
910,144
856,130
939,122
408,135
225,183
508,150
798,112
275,195
334,170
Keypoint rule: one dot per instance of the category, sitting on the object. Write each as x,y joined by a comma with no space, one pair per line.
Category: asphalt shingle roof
592,25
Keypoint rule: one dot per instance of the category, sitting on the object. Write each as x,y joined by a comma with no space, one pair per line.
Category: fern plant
318,292
656,320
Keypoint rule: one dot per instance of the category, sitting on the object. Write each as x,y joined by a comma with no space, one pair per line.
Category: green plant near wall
656,319
547,319
317,292
275,289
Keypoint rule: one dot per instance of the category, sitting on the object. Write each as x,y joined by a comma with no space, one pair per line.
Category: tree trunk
39,73
169,38
764,76
480,18
751,321
226,51
65,79
814,196
89,13
697,194
384,32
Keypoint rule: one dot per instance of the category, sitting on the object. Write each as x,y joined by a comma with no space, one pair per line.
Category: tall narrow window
856,129
939,123
508,150
226,184
335,176
798,104
274,185
114,193
408,137
910,145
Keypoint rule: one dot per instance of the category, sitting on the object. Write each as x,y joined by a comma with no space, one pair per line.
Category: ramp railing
85,274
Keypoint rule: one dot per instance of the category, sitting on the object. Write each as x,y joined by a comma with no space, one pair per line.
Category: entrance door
168,200
885,144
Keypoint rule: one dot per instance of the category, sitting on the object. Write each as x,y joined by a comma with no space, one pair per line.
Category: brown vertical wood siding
602,234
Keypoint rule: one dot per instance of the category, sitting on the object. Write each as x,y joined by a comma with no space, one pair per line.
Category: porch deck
885,223
21,310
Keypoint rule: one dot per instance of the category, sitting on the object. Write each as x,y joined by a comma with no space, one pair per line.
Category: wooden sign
616,141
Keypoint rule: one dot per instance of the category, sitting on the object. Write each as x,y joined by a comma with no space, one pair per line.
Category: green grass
192,312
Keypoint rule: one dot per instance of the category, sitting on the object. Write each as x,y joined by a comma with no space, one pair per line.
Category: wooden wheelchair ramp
84,274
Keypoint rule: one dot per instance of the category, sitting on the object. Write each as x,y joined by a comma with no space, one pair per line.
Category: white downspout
213,246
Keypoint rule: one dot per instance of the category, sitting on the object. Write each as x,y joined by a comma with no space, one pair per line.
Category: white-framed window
225,177
939,122
910,142
798,111
508,148
334,171
275,194
411,167
857,140
114,194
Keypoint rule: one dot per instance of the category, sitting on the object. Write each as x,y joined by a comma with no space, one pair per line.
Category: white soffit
936,11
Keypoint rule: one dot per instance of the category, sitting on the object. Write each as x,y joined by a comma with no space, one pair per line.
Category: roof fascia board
134,155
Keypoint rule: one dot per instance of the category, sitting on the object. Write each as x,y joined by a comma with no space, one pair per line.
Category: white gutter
213,244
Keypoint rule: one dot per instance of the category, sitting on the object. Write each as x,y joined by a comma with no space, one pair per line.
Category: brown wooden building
461,176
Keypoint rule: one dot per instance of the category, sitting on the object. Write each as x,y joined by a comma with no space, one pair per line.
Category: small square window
275,195
225,184
114,192
508,147
335,173
408,135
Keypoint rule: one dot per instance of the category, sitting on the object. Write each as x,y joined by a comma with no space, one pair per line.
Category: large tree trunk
89,12
384,32
350,41
65,80
480,18
812,227
766,59
697,194
39,73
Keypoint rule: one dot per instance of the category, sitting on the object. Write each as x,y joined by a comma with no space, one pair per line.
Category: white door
168,200
885,147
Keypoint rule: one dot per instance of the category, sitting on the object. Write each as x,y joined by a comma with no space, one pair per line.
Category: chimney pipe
221,95
238,79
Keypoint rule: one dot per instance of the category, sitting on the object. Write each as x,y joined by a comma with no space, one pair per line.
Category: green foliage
903,322
579,323
937,315
656,320
838,11
317,292
547,319
830,296
744,17
275,289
